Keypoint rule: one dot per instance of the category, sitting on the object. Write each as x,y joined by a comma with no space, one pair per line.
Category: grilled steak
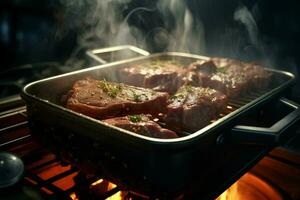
231,77
103,99
141,124
164,76
199,72
192,108
232,86
255,75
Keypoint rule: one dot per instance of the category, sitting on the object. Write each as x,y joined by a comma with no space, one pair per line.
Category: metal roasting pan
202,163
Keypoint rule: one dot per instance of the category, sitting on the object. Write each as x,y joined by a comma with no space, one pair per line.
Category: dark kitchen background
39,39
48,34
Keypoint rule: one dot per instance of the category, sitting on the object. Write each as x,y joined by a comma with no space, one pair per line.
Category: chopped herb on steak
141,124
231,77
135,118
111,90
103,99
192,111
136,97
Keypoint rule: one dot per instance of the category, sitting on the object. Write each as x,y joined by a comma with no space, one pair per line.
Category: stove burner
11,169
46,175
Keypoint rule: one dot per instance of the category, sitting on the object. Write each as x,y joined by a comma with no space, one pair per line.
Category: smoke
103,23
267,48
98,23
187,34
243,15
168,25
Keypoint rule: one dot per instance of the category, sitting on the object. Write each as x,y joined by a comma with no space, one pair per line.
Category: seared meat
192,108
199,72
259,78
231,77
141,124
205,66
232,86
164,76
103,99
253,73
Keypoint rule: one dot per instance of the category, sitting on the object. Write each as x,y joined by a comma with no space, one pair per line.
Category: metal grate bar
235,104
109,193
41,183
57,192
49,162
59,176
9,114
14,127
13,111
15,140
40,160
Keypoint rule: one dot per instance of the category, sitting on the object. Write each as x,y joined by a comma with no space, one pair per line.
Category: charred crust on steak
163,76
103,99
232,77
192,108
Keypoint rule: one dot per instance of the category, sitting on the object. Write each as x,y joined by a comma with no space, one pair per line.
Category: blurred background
44,38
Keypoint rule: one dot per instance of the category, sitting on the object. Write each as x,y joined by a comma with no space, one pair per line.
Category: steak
163,76
232,77
192,108
141,124
200,72
232,86
255,75
102,99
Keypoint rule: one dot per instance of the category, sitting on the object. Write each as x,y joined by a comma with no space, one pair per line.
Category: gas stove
276,176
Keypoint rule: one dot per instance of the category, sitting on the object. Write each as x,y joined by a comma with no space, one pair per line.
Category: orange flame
250,187
231,193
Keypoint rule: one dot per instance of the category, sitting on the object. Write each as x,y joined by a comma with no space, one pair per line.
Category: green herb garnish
135,118
111,90
177,96
222,69
189,88
136,97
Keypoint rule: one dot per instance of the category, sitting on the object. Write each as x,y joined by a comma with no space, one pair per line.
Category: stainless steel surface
140,163
124,50
61,84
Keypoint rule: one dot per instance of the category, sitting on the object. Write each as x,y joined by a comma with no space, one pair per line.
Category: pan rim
185,139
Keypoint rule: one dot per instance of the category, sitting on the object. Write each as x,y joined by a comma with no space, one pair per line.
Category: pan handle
274,135
115,53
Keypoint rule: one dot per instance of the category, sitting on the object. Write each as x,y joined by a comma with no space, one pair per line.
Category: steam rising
188,32
102,23
243,15
269,54
162,25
